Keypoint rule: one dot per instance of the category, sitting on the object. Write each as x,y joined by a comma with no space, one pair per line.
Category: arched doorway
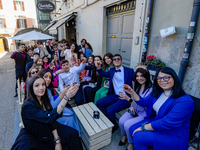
3,44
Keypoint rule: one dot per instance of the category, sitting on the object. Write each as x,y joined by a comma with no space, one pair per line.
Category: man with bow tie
118,76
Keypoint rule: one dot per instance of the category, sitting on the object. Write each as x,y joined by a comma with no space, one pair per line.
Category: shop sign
45,6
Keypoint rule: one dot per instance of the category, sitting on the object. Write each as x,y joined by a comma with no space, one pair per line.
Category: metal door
120,35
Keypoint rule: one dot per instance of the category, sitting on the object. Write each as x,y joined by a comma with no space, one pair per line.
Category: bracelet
142,127
56,139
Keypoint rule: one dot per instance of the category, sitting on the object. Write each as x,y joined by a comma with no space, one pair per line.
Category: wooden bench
71,102
95,133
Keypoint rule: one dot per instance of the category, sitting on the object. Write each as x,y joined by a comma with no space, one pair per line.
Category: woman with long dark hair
143,87
94,84
68,117
40,124
107,64
71,55
169,109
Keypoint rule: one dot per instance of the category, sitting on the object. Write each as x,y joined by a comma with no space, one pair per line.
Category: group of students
158,115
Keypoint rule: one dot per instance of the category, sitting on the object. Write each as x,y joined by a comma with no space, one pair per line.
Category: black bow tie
118,70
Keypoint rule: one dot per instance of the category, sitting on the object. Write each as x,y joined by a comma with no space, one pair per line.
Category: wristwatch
130,100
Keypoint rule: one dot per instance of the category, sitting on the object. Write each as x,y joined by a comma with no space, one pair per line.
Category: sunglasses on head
114,59
34,72
165,78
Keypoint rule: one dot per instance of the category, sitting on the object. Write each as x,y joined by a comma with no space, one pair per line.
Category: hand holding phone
132,113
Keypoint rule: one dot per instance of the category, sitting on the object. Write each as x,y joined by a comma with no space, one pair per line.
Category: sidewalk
3,54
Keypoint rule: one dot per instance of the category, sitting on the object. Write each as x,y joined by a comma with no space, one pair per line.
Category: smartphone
132,113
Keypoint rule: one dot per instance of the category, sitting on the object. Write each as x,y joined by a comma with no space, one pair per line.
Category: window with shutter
23,8
14,3
17,23
1,4
4,22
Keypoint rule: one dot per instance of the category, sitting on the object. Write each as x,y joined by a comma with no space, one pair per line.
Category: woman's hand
97,64
72,91
138,129
58,146
65,90
128,89
123,96
60,71
133,110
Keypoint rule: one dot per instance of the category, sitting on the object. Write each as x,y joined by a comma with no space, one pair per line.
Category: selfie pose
169,109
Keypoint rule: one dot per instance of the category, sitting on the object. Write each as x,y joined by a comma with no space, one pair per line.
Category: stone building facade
92,23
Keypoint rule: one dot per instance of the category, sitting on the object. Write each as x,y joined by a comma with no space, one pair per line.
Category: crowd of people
158,113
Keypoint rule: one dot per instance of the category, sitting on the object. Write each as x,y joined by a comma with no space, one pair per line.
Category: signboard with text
45,6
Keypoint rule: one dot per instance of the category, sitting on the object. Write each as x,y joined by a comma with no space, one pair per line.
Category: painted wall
11,15
170,49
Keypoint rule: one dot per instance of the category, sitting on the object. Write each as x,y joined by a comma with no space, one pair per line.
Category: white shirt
118,81
160,101
70,77
83,49
38,50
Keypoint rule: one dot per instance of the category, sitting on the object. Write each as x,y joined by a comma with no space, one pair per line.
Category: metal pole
147,30
190,39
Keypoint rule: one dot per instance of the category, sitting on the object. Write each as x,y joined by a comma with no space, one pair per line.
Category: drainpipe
147,31
190,39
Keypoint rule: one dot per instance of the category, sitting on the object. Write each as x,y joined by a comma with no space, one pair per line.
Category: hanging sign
45,6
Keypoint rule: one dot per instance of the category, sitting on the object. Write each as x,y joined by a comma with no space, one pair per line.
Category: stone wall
170,50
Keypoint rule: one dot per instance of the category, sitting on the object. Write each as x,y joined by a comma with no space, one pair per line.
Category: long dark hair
146,75
57,61
76,47
105,65
177,90
43,72
94,71
89,46
32,96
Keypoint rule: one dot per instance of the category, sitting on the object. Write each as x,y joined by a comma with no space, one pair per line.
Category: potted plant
153,63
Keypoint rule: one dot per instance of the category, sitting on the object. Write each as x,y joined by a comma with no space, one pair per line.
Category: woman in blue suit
169,110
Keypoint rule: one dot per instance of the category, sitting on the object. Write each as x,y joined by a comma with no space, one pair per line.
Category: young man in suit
20,58
118,76
41,49
56,51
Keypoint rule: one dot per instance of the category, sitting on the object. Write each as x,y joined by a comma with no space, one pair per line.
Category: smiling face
165,81
140,78
72,47
34,72
96,59
47,77
40,62
108,60
45,60
55,57
39,87
83,43
90,60
66,66
117,61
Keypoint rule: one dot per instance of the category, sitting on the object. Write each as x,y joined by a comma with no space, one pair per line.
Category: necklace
168,95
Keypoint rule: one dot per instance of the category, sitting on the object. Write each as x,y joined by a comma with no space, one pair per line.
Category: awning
49,25
53,29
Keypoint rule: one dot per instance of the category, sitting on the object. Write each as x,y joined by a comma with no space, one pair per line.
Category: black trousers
70,140
90,93
20,76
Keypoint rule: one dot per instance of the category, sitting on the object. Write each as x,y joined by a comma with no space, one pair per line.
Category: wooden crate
71,102
95,133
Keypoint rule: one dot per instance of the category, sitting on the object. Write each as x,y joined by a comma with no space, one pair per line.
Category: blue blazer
172,123
128,78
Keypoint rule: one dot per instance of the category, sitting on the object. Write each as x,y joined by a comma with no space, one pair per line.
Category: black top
40,123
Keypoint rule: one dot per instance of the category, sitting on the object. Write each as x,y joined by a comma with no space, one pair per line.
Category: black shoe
121,143
16,95
114,128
